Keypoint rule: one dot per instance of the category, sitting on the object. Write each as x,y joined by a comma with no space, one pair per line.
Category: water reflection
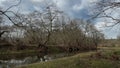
10,61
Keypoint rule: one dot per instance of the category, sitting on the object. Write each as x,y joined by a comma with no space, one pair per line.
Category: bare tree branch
13,6
7,11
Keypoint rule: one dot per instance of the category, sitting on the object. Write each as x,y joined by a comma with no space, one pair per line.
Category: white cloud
61,4
2,1
92,1
100,25
37,0
77,7
109,32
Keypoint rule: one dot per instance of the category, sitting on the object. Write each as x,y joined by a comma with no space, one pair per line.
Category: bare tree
40,25
3,14
108,10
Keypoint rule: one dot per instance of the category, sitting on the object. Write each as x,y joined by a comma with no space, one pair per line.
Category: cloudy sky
74,8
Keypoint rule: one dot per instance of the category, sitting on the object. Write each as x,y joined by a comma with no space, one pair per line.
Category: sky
74,8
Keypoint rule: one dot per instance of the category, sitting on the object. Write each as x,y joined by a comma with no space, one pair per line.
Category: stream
11,61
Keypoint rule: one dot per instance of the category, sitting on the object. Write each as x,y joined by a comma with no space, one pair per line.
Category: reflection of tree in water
41,57
16,56
12,61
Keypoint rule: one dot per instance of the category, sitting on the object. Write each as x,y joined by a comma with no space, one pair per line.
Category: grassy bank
81,60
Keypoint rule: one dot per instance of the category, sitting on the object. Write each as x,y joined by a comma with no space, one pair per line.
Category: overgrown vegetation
48,28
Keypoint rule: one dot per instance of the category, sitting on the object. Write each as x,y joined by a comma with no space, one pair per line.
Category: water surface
10,61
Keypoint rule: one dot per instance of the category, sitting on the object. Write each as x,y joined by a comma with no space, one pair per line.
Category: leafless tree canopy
107,9
51,27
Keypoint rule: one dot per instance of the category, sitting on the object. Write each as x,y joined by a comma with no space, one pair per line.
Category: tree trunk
1,33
